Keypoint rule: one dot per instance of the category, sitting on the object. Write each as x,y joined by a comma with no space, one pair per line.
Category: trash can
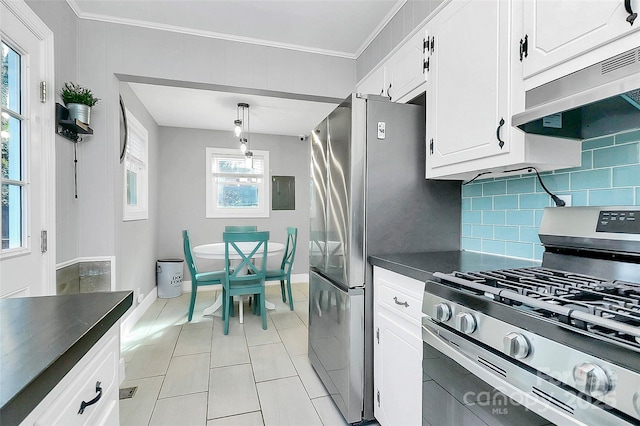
169,277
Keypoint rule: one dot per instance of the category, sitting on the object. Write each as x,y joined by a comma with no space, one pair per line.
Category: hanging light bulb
238,129
239,126
243,145
248,159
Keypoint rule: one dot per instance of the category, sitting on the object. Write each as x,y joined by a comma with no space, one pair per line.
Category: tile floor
192,374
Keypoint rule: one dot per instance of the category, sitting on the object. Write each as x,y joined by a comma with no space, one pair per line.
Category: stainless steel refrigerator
369,196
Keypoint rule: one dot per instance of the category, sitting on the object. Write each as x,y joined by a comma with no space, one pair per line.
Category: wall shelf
70,129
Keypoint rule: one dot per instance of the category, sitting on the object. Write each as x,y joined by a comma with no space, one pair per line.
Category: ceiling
341,28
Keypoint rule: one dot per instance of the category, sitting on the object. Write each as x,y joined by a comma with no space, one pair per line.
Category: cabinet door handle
84,405
405,304
632,15
389,88
501,142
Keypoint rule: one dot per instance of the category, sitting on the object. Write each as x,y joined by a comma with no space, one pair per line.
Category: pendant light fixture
243,132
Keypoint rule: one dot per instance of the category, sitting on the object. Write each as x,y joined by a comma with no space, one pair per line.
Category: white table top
216,250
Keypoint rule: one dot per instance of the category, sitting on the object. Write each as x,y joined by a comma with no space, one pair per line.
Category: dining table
216,251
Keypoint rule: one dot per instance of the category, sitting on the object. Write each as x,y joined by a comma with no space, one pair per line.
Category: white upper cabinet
406,69
467,82
474,86
401,76
558,31
374,84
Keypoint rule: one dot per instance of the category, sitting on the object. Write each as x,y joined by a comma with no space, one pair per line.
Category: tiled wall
502,215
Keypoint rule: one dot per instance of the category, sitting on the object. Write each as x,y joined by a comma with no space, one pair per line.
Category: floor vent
128,393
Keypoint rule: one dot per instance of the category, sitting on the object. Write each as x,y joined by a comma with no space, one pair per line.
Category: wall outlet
566,198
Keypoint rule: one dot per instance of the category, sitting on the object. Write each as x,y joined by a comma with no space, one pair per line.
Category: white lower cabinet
96,374
397,349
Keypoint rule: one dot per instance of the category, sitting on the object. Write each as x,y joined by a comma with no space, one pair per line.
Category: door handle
405,304
632,15
501,142
84,405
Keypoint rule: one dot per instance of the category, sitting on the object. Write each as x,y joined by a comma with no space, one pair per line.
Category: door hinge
378,398
43,92
433,39
378,335
425,65
524,47
43,241
431,146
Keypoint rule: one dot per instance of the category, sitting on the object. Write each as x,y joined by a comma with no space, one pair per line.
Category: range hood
599,100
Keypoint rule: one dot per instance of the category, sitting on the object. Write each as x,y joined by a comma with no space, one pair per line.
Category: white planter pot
80,112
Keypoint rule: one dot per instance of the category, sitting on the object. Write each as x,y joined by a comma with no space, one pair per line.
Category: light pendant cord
559,202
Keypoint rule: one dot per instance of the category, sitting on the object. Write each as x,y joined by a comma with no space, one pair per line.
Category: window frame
214,212
140,211
23,182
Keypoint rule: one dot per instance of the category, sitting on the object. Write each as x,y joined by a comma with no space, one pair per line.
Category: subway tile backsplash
502,215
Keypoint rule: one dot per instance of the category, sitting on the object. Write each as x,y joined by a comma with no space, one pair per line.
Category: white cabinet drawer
398,293
400,302
103,368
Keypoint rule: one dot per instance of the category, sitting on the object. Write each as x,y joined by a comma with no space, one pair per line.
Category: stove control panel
619,221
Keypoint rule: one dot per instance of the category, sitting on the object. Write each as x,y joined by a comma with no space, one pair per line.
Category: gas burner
565,296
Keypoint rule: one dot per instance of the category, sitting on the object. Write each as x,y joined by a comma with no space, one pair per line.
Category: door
27,265
398,364
405,68
467,93
551,41
318,195
336,343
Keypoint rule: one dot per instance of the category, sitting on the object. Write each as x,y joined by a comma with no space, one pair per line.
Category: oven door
465,383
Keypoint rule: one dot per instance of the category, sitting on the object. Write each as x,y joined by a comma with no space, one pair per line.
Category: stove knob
465,323
592,379
441,312
515,345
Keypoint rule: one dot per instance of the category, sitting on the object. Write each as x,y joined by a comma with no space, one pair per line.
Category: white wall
182,191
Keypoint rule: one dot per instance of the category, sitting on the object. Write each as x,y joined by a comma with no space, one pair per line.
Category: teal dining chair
198,278
240,228
246,278
284,273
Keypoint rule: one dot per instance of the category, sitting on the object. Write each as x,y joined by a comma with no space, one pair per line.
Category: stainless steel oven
559,343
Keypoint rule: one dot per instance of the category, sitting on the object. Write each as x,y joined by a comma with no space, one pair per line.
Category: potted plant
78,100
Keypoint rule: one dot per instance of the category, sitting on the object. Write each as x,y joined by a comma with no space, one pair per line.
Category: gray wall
410,16
92,53
137,242
182,191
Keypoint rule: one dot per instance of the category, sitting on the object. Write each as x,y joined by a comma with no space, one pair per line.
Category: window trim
141,211
212,212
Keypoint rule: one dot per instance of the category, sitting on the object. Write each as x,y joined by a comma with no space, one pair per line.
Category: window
136,171
234,187
14,185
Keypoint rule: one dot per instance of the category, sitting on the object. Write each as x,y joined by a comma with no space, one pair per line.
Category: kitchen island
43,338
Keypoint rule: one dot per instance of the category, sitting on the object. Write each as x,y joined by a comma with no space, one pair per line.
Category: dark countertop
42,339
421,266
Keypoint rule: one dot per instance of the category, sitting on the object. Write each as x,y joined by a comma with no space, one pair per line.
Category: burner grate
617,301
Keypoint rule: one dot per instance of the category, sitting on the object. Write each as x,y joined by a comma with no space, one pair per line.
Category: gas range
562,339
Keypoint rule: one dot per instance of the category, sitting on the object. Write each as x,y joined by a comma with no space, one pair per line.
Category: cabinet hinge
378,398
378,335
431,146
433,40
43,241
425,44
43,92
425,65
524,47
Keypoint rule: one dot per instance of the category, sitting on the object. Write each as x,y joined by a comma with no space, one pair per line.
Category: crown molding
399,4
211,34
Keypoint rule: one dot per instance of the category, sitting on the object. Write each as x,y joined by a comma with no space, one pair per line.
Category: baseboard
295,278
134,316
